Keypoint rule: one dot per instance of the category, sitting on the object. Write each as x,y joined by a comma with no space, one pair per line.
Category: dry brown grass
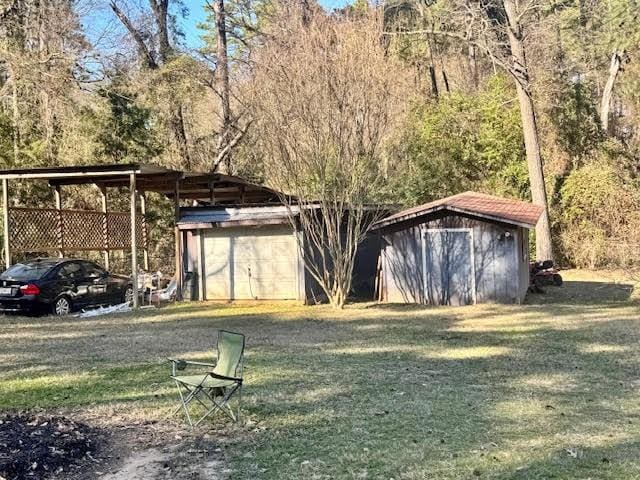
544,390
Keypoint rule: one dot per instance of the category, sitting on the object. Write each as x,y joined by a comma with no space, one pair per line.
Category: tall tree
222,75
520,71
497,29
153,52
231,30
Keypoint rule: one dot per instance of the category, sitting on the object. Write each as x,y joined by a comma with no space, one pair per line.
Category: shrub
600,217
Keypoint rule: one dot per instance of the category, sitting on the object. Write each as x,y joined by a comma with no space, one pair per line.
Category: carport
28,229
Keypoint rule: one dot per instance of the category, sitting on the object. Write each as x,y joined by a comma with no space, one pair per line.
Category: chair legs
208,401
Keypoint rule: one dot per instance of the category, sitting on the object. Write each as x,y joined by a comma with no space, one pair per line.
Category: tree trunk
180,135
222,73
445,81
544,247
144,53
605,104
434,82
473,65
15,118
160,11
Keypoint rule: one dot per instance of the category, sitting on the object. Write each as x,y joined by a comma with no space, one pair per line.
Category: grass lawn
550,389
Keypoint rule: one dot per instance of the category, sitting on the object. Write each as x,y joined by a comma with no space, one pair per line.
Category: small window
524,245
91,270
71,270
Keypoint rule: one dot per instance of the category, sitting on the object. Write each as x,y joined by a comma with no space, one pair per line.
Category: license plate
6,291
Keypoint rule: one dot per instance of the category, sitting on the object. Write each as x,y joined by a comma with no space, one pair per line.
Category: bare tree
326,96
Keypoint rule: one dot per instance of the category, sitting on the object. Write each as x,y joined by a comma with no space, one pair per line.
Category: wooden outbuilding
464,249
255,252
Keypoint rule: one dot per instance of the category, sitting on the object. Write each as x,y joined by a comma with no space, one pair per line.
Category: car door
95,279
69,278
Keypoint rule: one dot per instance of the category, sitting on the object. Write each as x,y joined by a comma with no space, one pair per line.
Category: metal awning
231,216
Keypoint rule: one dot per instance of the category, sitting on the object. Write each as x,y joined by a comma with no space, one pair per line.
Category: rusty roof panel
499,209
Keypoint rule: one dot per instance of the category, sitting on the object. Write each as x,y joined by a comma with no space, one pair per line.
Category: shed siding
497,260
402,266
523,263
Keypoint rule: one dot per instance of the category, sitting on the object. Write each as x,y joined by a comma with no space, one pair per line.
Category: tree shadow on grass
402,394
580,292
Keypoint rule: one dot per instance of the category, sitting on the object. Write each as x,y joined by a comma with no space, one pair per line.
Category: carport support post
145,240
178,253
134,251
59,232
105,225
5,222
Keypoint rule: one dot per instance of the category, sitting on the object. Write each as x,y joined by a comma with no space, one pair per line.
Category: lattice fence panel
119,231
41,229
82,230
33,230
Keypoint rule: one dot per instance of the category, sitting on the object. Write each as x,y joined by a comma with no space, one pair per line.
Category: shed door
448,267
245,263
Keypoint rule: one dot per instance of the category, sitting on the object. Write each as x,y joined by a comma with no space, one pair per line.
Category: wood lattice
44,229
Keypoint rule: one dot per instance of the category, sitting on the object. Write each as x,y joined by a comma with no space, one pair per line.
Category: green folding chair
213,389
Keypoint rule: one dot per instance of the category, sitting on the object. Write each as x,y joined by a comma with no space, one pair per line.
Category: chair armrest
177,364
224,377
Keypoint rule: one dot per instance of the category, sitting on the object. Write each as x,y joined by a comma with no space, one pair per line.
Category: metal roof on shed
499,209
204,217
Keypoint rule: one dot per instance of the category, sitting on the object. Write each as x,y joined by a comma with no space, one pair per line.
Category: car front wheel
62,306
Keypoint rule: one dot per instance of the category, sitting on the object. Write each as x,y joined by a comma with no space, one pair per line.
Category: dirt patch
39,446
183,461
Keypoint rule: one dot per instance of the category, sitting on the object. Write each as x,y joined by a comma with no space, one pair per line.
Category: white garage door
243,263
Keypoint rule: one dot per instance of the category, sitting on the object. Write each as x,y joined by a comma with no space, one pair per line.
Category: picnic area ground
549,389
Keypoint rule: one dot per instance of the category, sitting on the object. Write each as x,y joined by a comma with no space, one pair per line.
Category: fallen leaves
39,446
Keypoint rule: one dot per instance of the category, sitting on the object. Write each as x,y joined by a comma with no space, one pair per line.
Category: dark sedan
59,286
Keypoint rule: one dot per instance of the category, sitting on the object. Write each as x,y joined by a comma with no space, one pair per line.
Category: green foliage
6,144
575,117
125,133
245,19
464,142
600,215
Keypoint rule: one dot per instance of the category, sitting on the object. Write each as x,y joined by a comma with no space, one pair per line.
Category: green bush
463,142
600,216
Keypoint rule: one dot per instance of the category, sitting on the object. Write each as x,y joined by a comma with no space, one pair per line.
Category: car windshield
26,271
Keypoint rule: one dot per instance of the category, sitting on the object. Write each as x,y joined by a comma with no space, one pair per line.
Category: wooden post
59,226
134,251
145,240
212,192
178,253
199,244
5,222
105,226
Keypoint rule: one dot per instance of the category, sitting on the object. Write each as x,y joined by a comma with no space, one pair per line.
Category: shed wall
402,266
523,263
199,252
497,261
